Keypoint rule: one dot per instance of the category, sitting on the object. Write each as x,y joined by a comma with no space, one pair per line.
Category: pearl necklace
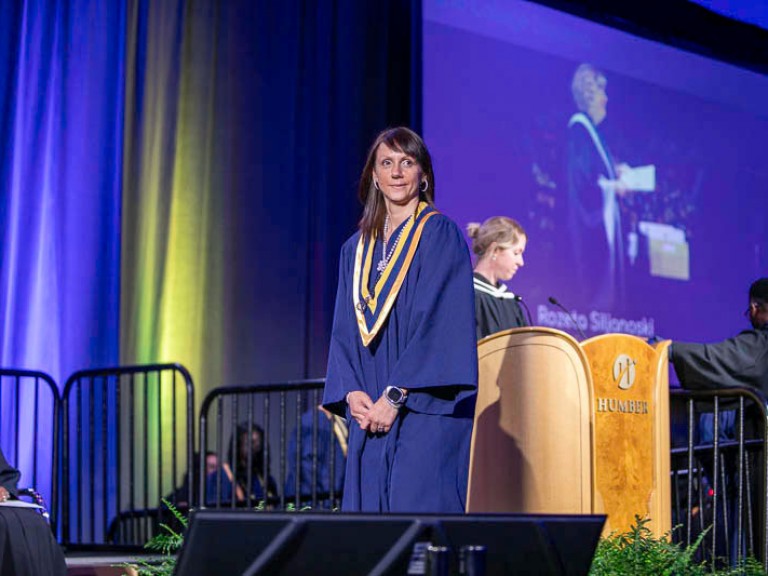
386,253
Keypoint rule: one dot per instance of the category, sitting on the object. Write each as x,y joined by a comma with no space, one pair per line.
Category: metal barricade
29,431
128,437
293,457
718,468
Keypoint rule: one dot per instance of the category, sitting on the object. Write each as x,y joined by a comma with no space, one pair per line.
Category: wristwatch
395,396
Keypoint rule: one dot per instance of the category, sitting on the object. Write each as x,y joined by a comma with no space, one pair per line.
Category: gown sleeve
341,376
482,317
738,361
439,363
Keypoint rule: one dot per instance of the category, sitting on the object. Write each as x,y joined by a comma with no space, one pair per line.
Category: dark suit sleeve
9,476
738,361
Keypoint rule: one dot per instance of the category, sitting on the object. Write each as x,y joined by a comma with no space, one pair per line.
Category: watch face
395,395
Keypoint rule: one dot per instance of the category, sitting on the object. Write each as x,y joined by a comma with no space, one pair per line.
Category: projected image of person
402,361
594,187
498,244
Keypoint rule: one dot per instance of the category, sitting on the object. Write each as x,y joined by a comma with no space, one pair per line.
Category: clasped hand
375,417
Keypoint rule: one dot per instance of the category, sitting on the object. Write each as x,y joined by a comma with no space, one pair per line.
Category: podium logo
624,377
624,371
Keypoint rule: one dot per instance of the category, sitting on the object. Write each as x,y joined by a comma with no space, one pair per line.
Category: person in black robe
738,361
27,545
499,244
741,361
9,478
402,361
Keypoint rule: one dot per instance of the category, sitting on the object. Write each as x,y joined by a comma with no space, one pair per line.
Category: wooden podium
569,428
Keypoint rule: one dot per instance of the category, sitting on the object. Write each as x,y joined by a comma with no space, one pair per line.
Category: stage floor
104,563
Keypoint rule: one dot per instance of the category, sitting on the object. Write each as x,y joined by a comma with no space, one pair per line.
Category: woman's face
254,444
598,107
509,258
211,464
397,175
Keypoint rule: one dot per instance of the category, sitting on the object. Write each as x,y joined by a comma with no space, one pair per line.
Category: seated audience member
27,546
499,244
318,429
254,483
183,496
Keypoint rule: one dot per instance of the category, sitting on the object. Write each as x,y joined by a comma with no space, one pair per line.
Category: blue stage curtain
246,128
332,75
286,97
61,137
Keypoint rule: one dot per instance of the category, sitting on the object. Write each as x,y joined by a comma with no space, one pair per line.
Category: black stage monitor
527,544
333,544
239,542
225,542
252,543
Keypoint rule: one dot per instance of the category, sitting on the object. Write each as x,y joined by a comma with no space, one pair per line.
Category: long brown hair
403,140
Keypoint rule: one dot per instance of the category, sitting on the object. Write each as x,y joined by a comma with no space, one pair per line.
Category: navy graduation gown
598,260
427,345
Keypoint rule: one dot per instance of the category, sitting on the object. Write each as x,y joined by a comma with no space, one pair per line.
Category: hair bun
472,229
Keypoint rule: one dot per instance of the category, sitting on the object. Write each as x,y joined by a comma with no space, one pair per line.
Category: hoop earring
376,185
425,186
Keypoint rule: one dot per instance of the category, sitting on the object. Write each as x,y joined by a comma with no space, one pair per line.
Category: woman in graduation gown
403,360
499,244
27,546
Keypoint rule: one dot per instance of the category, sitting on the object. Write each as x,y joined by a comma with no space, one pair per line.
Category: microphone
555,302
519,299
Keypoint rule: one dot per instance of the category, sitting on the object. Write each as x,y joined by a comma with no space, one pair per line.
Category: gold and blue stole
373,307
